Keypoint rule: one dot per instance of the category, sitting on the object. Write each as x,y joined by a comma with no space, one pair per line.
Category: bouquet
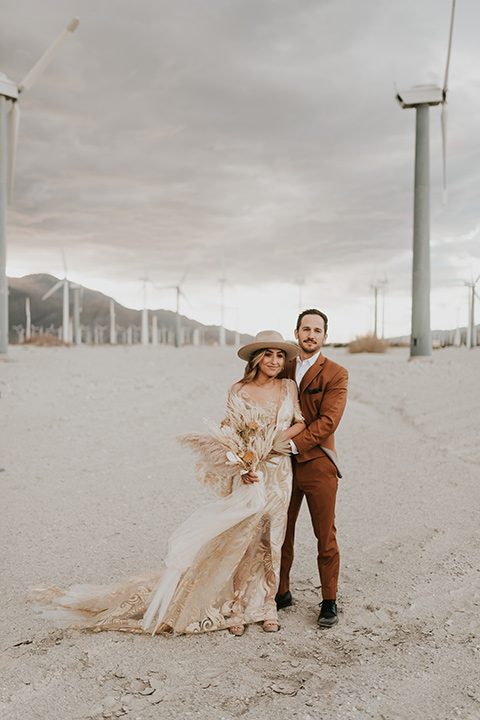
244,440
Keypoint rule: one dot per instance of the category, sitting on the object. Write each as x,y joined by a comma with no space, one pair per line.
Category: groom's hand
250,477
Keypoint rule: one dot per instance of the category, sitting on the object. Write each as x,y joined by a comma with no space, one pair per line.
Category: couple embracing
228,565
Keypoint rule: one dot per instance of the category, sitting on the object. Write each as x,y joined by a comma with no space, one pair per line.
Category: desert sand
93,482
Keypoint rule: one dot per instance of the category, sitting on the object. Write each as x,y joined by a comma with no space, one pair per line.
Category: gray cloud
266,134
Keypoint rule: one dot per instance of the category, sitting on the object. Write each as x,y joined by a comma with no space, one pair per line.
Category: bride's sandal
271,626
237,630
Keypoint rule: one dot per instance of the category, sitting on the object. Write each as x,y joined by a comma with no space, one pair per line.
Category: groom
322,388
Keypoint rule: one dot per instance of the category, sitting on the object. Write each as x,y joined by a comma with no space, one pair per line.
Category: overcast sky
257,140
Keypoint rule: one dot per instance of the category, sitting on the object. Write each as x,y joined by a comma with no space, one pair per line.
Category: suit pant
316,480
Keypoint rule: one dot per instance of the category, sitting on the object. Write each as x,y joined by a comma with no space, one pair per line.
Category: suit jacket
323,396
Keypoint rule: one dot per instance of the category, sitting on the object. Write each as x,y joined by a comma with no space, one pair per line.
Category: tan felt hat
266,340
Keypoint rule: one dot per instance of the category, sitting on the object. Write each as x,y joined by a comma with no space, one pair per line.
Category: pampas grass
42,339
367,344
246,438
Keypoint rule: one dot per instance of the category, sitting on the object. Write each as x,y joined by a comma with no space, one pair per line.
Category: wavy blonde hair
251,368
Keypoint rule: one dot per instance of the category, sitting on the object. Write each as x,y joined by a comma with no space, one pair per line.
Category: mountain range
95,310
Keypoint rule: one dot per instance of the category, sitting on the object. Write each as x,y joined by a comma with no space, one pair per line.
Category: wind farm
114,186
101,320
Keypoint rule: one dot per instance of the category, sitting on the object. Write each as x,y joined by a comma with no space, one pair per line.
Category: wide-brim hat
266,340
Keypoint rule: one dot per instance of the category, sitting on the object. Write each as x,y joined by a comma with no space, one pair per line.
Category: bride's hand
250,478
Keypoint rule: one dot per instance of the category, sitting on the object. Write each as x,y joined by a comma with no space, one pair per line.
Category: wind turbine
66,303
380,285
178,288
471,330
422,97
375,289
144,335
28,319
222,332
9,120
113,329
66,306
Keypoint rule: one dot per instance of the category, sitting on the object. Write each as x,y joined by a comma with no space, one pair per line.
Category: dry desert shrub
367,344
45,340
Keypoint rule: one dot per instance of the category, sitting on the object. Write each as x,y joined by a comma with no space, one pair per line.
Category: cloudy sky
253,140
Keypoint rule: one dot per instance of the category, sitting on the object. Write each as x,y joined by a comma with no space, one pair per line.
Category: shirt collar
308,362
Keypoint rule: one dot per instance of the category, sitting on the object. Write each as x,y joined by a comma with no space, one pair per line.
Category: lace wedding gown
223,563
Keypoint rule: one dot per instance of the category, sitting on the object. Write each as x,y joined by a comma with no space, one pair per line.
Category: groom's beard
311,348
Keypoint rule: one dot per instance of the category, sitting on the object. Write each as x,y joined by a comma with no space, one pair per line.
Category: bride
222,566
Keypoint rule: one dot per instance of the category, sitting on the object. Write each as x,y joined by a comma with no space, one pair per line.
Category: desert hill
95,311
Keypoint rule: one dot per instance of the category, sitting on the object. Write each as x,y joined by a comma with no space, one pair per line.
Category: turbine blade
59,284
64,259
184,277
445,82
13,119
443,120
187,300
31,77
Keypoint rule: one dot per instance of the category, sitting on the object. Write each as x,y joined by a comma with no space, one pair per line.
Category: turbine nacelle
421,95
8,88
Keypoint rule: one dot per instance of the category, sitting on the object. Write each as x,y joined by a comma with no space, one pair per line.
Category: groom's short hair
312,311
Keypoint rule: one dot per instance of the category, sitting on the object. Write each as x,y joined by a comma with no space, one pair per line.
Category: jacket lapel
312,373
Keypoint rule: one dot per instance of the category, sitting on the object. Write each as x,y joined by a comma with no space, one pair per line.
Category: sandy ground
93,483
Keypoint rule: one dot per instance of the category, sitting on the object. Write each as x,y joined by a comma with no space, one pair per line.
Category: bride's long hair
251,369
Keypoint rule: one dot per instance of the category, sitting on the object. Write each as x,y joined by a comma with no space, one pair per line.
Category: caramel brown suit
323,395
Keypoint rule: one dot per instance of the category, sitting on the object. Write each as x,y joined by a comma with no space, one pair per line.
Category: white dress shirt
301,368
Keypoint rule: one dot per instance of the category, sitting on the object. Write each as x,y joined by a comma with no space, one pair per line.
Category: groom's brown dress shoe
283,600
328,614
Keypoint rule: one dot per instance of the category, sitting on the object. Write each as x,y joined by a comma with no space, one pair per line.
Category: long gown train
222,566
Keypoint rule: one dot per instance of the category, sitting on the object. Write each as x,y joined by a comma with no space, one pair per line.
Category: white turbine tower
9,119
375,289
28,319
113,327
421,98
144,335
77,308
380,285
221,331
471,329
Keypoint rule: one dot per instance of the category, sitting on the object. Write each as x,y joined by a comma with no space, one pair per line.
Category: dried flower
245,438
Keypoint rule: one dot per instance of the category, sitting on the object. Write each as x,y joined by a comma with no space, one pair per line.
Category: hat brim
291,351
